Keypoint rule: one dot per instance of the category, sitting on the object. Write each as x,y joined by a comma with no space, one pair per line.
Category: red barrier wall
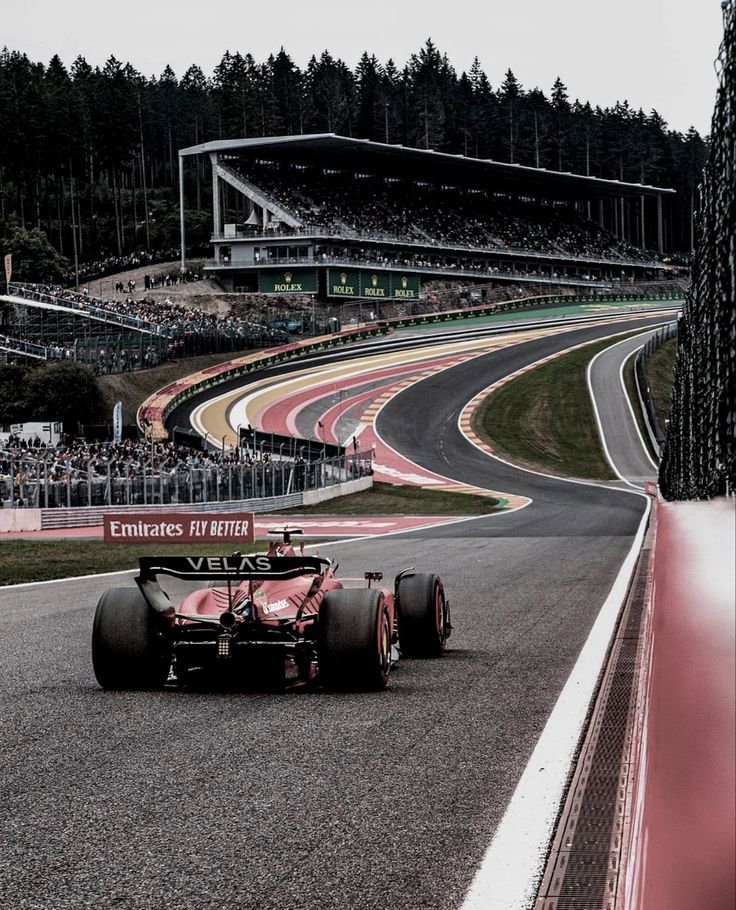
683,853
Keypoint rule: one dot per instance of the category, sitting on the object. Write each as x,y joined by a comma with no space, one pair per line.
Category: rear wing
234,568
231,568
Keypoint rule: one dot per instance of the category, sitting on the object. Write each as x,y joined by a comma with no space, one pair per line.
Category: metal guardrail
536,302
651,418
84,306
85,517
699,459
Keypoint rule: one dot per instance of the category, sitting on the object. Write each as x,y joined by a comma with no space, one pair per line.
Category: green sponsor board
343,283
375,285
404,287
288,281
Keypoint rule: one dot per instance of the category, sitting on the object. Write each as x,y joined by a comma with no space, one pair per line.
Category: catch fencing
42,483
699,459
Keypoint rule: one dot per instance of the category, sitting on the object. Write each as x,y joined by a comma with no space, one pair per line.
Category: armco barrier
90,518
525,302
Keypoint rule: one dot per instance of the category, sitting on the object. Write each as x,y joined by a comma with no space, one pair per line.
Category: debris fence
699,460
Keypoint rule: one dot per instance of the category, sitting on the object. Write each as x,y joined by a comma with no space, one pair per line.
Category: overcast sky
653,53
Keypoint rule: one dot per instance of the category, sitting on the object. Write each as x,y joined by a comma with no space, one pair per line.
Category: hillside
133,388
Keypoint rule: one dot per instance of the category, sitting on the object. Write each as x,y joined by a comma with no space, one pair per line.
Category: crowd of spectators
111,265
129,455
79,472
172,329
165,317
164,280
391,209
483,267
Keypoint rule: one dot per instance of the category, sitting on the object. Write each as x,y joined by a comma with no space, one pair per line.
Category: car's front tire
354,646
423,612
129,647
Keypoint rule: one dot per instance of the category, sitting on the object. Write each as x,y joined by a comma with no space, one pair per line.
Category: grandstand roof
331,150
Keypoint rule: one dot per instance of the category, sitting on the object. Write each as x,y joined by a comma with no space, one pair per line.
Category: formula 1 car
273,619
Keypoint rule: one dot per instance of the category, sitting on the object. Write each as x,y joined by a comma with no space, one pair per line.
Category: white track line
598,421
644,446
454,480
509,875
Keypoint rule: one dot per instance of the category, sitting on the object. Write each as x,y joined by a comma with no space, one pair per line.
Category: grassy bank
545,420
394,499
133,388
661,373
41,560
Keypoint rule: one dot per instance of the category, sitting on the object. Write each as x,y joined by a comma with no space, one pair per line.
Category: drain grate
583,867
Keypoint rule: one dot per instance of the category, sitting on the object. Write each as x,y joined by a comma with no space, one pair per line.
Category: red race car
272,619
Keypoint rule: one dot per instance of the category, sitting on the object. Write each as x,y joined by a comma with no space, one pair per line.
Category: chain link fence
36,482
699,459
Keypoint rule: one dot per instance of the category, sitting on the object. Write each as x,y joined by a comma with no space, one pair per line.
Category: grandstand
48,323
341,219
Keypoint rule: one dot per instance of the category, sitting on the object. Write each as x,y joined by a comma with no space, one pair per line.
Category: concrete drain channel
583,867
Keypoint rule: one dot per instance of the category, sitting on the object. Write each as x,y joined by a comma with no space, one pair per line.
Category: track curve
431,437
275,801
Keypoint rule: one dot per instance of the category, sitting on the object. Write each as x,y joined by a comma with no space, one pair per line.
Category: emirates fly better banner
179,527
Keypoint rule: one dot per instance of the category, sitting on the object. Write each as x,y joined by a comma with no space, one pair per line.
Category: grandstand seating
167,329
372,207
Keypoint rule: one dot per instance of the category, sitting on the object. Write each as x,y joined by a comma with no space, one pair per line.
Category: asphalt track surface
311,800
625,448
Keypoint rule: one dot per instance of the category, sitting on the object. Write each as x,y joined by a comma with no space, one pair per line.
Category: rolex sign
288,281
343,283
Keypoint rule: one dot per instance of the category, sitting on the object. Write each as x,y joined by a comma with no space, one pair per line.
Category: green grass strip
661,376
544,419
42,560
399,499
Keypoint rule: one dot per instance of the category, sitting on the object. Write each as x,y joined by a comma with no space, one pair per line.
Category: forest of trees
88,155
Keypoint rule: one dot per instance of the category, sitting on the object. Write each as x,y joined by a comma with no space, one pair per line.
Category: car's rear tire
424,620
354,646
129,648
